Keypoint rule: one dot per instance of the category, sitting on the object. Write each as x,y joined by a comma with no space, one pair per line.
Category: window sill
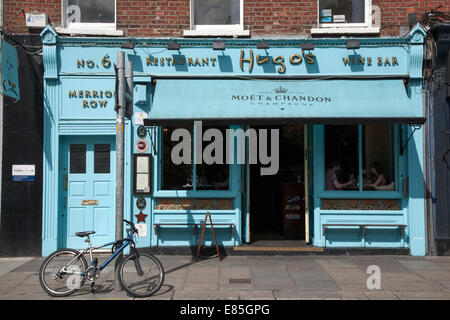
90,32
346,30
216,33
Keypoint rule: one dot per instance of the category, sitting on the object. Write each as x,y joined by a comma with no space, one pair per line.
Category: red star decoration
141,217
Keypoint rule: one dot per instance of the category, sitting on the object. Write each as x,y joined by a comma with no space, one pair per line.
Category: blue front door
88,179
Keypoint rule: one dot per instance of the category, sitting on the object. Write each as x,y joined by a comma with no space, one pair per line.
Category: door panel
89,201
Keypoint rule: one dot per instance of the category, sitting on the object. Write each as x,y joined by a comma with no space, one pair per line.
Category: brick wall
157,18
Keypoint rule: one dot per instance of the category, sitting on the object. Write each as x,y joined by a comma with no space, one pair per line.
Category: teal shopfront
307,109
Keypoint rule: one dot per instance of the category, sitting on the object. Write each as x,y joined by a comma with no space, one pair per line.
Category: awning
277,102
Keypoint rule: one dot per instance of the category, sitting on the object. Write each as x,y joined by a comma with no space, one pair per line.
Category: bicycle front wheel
141,277
62,272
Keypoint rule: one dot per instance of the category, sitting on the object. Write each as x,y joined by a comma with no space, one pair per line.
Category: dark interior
277,207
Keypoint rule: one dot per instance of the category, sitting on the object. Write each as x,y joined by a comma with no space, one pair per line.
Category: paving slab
9,264
400,277
256,295
352,295
444,284
425,286
380,295
310,276
423,295
305,295
334,263
348,275
206,295
434,274
314,285
416,265
235,278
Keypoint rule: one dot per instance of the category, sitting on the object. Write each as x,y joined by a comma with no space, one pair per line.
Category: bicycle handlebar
128,222
131,224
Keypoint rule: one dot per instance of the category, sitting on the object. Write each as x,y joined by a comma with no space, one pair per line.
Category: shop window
216,17
175,176
341,158
213,176
89,13
360,153
378,157
186,175
78,158
102,158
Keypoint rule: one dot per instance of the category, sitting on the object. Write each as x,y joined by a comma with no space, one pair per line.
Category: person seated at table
377,173
331,180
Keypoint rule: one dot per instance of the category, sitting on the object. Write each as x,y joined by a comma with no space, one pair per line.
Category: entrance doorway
87,192
277,202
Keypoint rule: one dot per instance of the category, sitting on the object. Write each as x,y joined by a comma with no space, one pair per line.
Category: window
342,11
360,153
89,13
346,16
341,157
213,176
185,174
102,158
78,158
217,17
175,176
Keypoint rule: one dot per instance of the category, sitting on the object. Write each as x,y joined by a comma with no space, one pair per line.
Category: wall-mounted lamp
127,45
353,44
262,45
219,45
307,45
173,45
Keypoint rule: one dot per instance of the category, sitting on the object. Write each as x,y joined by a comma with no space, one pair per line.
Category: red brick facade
158,18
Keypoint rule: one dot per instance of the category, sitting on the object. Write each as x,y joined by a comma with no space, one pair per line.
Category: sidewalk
258,278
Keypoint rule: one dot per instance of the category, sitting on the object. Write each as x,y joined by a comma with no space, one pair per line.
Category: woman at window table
331,181
376,171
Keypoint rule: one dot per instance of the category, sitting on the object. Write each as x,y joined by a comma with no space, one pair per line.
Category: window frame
361,193
366,24
80,26
217,28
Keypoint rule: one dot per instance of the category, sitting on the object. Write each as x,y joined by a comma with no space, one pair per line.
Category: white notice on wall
23,172
139,118
142,229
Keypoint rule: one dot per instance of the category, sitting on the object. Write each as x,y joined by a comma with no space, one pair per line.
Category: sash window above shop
216,17
361,158
347,16
88,14
181,168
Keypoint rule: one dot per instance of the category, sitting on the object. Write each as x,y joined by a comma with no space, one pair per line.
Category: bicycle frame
89,249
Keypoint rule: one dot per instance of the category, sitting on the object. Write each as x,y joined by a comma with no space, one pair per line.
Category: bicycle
64,271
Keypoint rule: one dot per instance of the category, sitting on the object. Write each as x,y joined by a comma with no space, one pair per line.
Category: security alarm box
36,20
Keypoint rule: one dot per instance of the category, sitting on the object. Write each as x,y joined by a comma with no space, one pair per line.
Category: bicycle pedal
92,287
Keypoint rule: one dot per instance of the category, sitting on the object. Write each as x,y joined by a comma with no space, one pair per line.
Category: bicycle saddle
84,233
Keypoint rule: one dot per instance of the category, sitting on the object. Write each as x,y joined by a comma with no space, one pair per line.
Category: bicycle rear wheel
145,283
62,272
